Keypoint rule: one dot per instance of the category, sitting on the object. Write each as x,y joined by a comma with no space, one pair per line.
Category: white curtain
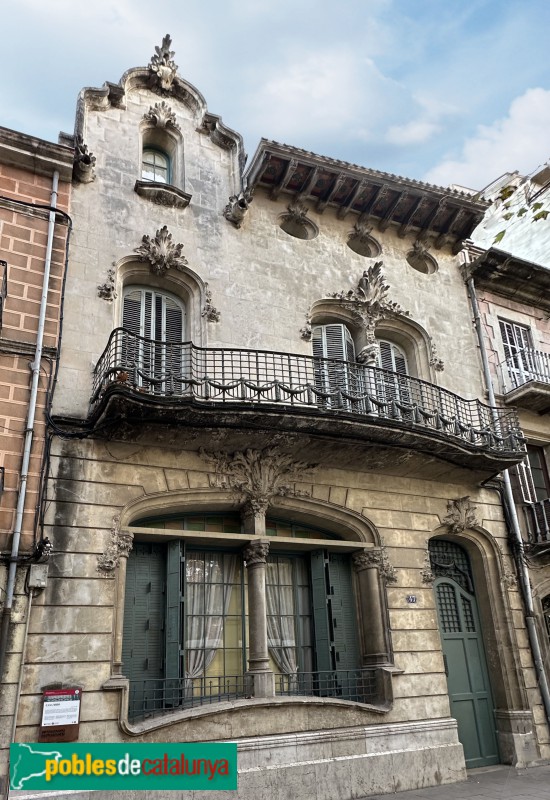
281,635
208,594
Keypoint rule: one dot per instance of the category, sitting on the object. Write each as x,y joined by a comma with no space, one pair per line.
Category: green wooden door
467,674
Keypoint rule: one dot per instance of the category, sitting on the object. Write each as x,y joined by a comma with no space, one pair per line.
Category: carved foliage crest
161,252
162,65
460,515
257,475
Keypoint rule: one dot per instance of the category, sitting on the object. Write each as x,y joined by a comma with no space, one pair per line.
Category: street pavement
488,783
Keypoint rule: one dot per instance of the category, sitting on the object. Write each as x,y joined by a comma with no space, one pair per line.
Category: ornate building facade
272,499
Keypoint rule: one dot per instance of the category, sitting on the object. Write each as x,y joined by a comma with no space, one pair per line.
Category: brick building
30,170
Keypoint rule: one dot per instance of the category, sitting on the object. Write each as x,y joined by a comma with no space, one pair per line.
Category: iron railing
183,371
537,517
524,366
151,697
360,685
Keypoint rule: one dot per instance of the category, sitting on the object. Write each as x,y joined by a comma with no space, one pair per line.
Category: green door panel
467,675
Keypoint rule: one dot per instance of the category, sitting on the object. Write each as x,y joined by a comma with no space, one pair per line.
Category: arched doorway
464,653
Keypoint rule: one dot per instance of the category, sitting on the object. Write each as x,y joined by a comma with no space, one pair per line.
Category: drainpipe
514,525
29,431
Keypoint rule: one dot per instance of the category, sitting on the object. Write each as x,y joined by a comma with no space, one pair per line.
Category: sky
444,91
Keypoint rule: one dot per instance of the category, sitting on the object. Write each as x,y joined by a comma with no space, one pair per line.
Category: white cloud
517,142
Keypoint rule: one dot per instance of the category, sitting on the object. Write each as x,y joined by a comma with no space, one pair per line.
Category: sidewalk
488,783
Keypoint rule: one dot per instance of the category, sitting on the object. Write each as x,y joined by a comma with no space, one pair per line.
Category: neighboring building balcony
525,379
537,517
182,384
151,698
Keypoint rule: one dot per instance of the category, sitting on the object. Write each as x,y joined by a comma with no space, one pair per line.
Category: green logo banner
123,766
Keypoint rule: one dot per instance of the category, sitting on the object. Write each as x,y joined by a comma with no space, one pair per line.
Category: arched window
152,345
332,345
155,166
392,357
186,616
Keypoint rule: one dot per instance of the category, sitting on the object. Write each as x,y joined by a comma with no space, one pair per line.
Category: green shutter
342,607
334,615
143,645
320,611
174,601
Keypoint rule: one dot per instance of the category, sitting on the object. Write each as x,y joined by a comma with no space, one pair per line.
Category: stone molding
460,515
161,252
256,553
162,194
119,547
257,475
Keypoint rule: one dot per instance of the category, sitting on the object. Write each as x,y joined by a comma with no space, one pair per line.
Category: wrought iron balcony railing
184,372
537,516
149,698
360,685
525,366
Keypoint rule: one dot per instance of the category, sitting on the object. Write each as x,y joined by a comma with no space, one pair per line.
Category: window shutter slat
174,597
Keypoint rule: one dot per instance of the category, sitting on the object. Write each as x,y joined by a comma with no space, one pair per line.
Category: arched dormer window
155,166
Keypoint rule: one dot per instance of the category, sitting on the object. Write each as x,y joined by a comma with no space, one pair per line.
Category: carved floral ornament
460,515
119,546
257,475
256,553
375,559
161,252
162,66
368,304
161,116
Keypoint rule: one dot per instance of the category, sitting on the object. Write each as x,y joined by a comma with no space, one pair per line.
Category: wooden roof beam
323,202
388,216
287,175
405,227
343,210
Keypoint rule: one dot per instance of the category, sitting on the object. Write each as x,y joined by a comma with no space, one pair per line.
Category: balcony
537,518
184,385
525,380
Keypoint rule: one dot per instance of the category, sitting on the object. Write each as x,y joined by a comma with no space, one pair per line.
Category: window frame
156,152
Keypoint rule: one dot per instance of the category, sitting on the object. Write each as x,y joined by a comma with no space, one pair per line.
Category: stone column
125,542
260,677
372,608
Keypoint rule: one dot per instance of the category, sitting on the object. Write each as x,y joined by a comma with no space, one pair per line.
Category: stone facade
246,446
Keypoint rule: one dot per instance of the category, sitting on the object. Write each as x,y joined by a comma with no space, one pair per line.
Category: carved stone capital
255,507
377,559
367,559
460,515
256,553
119,547
161,116
257,475
161,252
162,66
